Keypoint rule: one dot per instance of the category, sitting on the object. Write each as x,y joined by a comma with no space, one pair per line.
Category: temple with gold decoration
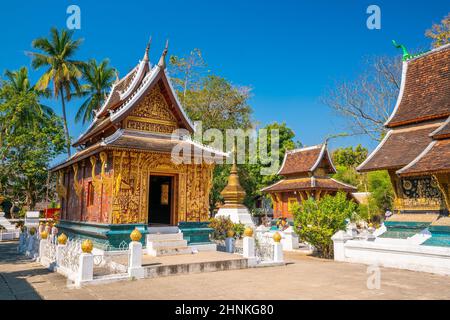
123,176
416,149
306,173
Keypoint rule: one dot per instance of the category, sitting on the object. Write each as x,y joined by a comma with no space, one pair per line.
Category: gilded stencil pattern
148,126
152,114
419,194
77,186
61,190
131,173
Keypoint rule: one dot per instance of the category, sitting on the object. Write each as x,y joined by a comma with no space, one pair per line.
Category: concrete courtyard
302,278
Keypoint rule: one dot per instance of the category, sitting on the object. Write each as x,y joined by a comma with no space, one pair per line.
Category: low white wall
392,254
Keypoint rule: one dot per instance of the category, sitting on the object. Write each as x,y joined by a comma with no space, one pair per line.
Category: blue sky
289,52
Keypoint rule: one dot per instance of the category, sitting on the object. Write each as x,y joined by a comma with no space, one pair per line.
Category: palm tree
19,82
98,78
64,72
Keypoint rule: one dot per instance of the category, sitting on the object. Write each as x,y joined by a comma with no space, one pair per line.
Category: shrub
238,229
316,221
222,225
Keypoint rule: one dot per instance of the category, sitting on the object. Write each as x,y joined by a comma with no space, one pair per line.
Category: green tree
18,82
316,221
57,54
188,72
27,145
440,32
98,80
256,180
382,193
219,104
349,157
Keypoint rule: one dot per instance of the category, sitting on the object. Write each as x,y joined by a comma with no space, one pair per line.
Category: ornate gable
152,114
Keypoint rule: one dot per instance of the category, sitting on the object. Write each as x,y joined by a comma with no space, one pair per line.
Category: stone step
168,251
197,267
166,243
164,236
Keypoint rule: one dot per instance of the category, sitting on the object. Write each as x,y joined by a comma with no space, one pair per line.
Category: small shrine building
306,175
416,149
123,175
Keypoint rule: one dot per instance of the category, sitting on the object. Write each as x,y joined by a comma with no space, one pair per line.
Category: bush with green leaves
316,221
238,229
222,225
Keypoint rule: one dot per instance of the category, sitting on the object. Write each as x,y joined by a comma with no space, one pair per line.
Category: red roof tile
310,183
443,132
399,147
425,90
305,160
434,159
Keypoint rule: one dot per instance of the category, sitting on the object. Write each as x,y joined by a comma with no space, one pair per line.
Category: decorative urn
135,235
87,246
44,235
62,239
248,232
277,237
32,231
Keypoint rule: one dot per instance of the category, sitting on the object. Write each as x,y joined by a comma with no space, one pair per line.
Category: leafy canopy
316,221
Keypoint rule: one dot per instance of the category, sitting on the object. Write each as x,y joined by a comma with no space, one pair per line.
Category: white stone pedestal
42,244
237,215
339,239
289,239
135,264
86,268
277,252
249,250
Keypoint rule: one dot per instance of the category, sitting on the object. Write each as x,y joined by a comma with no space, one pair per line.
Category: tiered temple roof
419,128
308,169
107,130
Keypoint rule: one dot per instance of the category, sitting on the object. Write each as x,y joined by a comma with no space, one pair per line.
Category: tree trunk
66,129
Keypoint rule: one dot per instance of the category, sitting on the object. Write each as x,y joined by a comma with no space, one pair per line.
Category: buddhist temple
123,175
306,175
416,149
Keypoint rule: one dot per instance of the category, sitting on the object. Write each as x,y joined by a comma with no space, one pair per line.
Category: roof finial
147,49
406,55
117,75
162,60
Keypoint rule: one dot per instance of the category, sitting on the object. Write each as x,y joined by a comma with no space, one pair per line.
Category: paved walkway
304,278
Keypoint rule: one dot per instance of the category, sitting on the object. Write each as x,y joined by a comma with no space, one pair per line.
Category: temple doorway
160,200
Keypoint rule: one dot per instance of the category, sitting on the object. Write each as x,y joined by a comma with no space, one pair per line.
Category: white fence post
86,263
249,246
277,248
86,267
135,268
32,245
42,245
339,239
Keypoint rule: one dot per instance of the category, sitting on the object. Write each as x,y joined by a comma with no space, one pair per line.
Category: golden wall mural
152,114
132,170
417,193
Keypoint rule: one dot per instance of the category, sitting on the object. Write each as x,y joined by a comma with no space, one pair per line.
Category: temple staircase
166,244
